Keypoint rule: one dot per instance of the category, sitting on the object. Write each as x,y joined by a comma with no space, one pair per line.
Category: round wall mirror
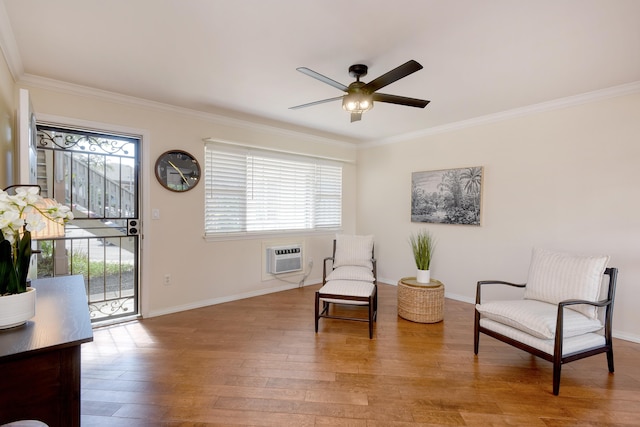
177,170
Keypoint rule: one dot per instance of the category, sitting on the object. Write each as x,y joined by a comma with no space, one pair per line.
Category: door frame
144,186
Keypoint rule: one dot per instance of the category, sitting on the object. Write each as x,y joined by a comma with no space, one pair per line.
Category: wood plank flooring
258,362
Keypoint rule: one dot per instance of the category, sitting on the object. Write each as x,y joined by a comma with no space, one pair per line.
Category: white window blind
252,191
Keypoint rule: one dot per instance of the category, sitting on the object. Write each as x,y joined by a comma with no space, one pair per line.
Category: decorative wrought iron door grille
96,174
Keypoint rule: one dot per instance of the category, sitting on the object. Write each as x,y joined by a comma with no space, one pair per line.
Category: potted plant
422,245
21,213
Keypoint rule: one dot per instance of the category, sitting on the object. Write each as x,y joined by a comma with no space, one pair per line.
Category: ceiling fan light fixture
357,102
359,95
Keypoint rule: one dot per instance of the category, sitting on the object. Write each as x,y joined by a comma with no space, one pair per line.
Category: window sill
269,234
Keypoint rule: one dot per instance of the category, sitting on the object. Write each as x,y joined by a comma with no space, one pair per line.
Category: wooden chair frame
371,300
557,358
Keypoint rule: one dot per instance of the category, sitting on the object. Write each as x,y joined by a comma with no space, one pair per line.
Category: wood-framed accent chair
351,279
566,313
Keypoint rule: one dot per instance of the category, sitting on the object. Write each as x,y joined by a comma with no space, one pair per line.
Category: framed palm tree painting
448,196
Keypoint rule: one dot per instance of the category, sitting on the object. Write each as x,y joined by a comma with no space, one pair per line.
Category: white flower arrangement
22,213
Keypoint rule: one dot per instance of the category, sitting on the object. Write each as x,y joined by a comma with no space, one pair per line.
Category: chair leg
476,333
375,306
557,366
371,307
610,359
317,310
323,311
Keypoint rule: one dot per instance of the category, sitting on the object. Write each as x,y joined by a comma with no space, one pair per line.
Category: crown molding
570,101
10,51
103,95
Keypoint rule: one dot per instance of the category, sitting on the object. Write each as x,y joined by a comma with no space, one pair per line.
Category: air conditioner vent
284,259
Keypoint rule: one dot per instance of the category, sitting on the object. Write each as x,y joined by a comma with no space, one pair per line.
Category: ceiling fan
360,95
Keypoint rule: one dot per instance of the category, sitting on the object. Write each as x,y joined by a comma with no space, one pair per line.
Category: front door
96,174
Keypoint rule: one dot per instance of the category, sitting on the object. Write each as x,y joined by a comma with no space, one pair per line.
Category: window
254,191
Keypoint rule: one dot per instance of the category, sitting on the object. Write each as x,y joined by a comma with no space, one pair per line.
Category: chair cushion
569,345
352,288
537,318
555,277
349,272
353,250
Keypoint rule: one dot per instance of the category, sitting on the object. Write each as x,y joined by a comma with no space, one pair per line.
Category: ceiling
239,58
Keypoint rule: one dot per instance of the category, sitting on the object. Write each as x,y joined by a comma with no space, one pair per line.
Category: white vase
16,309
423,276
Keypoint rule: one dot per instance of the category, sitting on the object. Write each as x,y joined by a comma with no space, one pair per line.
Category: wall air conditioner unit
284,259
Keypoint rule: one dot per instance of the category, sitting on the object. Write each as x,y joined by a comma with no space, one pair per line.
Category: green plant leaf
422,245
8,276
23,260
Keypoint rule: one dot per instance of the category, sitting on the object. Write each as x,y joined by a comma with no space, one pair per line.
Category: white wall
565,179
202,273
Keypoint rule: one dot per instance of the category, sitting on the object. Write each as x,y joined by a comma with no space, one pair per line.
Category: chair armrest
501,282
560,319
495,282
324,268
601,303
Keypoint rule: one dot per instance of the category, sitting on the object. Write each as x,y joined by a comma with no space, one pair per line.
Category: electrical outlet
167,279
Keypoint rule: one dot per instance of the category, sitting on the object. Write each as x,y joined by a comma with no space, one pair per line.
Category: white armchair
566,313
351,279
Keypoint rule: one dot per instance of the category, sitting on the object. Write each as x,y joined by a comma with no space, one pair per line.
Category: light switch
155,213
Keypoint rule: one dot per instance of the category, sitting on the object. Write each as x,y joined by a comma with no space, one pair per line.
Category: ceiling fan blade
397,73
324,79
316,102
356,117
400,100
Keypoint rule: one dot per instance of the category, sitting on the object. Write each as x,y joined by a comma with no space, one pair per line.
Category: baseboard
221,300
626,336
460,298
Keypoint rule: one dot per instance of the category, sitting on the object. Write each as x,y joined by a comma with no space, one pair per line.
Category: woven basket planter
420,303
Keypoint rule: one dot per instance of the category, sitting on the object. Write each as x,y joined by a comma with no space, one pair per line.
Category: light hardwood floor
258,362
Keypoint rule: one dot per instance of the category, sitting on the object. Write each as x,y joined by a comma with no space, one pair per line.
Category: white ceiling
239,58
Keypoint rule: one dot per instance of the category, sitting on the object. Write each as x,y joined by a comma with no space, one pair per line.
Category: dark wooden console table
40,361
